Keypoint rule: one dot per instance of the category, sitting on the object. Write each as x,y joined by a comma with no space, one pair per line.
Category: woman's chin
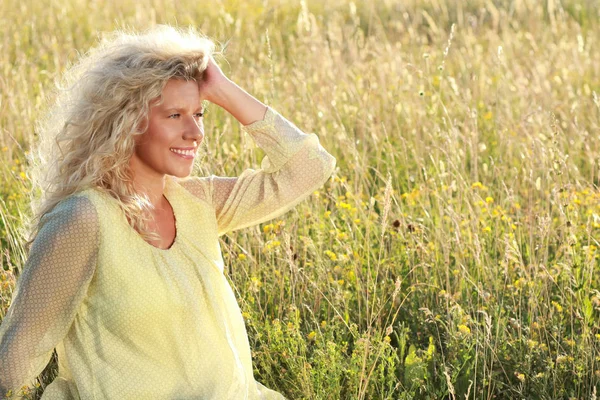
182,174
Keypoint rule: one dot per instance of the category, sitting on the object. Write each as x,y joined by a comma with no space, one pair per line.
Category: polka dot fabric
132,321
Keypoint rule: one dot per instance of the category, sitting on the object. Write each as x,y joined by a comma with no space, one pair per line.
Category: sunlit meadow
454,252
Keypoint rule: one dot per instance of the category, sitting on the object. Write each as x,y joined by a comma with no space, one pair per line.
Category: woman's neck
153,188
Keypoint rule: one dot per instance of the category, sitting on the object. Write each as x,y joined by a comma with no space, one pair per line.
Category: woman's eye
174,116
200,115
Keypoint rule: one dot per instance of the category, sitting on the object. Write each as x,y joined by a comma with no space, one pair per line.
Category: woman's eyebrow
183,109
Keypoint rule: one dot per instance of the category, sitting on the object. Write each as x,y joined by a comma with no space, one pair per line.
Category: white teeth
184,152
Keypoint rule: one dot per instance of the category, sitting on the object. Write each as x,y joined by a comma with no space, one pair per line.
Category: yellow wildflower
343,205
255,281
519,283
479,185
332,256
351,276
342,235
520,377
464,329
557,306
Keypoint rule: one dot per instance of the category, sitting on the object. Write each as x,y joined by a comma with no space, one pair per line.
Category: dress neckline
169,196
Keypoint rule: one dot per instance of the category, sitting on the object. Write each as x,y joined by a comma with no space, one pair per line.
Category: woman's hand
212,82
215,87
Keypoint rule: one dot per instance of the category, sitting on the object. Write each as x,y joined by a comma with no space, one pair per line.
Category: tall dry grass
454,254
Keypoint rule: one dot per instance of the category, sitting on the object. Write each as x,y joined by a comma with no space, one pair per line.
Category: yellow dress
132,321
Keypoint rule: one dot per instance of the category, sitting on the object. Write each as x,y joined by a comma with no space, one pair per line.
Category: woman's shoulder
92,197
197,186
79,206
75,213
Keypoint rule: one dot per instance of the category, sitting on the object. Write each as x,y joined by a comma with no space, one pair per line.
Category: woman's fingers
211,79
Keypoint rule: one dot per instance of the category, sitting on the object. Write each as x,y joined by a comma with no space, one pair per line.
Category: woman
125,275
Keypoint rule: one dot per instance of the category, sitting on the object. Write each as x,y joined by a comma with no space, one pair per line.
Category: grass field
454,253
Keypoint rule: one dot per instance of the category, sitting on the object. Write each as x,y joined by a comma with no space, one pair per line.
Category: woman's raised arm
294,166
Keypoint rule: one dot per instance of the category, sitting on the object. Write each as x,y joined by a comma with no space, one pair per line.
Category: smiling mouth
186,153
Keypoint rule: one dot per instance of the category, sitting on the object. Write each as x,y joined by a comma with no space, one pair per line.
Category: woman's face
175,130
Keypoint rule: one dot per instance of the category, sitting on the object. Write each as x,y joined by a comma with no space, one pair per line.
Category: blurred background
453,254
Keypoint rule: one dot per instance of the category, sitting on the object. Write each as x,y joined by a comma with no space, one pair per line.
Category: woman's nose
194,129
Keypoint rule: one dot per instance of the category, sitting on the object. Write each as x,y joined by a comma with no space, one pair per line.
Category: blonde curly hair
87,137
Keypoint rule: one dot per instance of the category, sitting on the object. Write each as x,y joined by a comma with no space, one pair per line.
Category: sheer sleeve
49,291
295,165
